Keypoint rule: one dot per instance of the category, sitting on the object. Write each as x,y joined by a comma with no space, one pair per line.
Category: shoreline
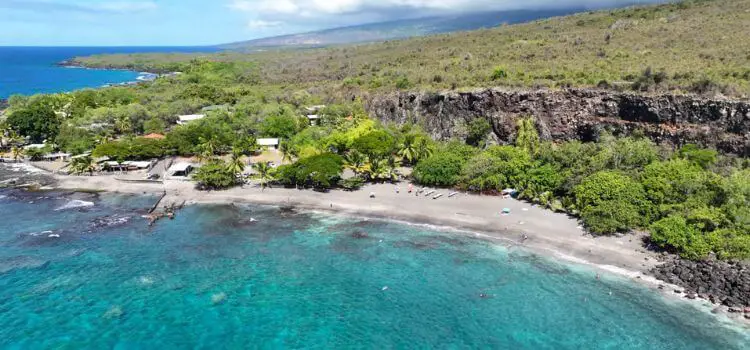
548,232
551,235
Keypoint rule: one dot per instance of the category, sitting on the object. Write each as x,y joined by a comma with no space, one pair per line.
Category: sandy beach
546,232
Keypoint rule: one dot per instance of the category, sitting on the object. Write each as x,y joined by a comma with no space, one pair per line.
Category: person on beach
411,188
397,189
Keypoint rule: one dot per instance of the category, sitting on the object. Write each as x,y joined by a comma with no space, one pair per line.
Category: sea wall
726,283
574,114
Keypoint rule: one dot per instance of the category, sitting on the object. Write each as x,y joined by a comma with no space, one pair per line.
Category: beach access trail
535,228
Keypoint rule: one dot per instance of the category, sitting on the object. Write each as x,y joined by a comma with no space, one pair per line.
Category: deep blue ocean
31,70
86,272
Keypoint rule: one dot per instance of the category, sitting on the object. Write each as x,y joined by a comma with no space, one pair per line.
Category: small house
52,157
268,143
313,118
184,119
314,109
180,170
133,165
34,146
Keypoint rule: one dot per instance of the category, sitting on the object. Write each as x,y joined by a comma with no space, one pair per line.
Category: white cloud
329,13
260,24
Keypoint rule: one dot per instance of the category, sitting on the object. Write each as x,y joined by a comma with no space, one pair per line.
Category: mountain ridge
399,29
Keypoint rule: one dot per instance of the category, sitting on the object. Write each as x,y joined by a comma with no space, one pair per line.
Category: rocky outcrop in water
574,114
726,283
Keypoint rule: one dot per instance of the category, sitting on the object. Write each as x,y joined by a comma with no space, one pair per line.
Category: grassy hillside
693,46
398,29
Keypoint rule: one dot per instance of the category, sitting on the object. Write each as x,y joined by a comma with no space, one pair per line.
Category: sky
210,22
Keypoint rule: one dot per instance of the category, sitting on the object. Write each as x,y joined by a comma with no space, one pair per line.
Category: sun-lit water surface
213,278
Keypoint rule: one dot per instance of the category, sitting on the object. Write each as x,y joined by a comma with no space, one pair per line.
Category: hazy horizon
191,23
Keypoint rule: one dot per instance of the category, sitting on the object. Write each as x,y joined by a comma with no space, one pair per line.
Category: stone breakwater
725,283
574,114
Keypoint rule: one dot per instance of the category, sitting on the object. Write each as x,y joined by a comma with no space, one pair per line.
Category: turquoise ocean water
213,278
31,70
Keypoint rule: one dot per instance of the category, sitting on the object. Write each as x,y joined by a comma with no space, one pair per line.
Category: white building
56,156
313,118
313,109
184,119
268,143
180,170
34,146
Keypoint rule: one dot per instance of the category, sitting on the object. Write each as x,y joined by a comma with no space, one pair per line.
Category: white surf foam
73,204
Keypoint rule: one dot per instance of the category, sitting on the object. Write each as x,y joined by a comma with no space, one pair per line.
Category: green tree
39,123
321,171
675,233
678,185
154,126
612,202
264,173
215,175
699,156
236,165
424,149
357,162
478,129
377,144
286,152
282,126
527,137
441,169
207,149
83,165
408,149
17,153
246,145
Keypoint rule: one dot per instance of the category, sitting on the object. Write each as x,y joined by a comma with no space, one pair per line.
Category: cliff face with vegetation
574,114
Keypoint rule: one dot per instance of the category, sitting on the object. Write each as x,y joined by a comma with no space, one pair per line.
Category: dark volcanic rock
726,283
574,114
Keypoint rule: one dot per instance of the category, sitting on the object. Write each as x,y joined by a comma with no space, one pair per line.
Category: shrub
215,176
499,73
673,232
477,131
441,169
321,171
612,191
699,156
612,216
403,83
352,184
375,144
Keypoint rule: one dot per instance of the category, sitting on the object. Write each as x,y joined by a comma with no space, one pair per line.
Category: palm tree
83,165
206,149
103,138
382,170
357,162
17,153
424,149
286,152
408,149
123,125
264,173
236,166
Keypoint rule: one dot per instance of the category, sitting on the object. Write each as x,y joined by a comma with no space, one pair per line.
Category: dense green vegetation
689,199
697,46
